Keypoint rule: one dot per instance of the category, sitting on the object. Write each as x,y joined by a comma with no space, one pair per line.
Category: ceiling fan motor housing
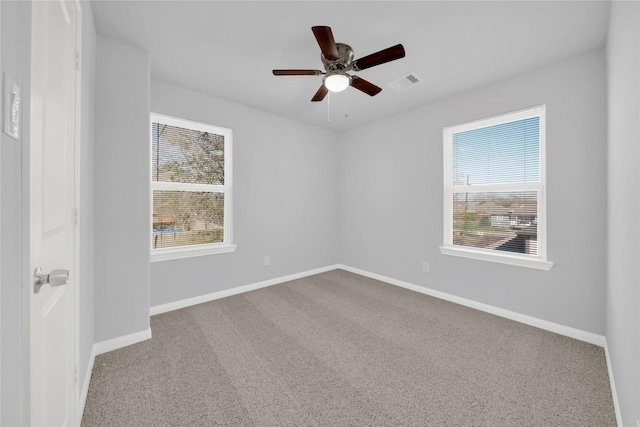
345,54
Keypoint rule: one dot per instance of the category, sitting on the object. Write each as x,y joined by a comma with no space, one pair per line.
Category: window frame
189,251
538,261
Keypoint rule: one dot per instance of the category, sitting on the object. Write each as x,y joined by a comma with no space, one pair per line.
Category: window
190,189
494,189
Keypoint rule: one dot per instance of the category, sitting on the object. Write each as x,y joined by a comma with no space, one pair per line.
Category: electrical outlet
267,260
425,266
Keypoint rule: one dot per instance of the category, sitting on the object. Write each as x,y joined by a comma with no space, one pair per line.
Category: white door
52,136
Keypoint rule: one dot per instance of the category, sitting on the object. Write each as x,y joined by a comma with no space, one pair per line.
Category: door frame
27,275
1,115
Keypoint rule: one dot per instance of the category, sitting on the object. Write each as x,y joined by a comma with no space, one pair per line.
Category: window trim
227,245
448,248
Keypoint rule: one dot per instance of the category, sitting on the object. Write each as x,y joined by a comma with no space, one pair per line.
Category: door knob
55,278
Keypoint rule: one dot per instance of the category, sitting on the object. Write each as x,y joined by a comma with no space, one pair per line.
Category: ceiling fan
338,59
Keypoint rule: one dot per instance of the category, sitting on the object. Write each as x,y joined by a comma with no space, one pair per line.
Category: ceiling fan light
337,81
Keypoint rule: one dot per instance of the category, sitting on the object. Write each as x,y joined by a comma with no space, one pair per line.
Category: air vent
405,82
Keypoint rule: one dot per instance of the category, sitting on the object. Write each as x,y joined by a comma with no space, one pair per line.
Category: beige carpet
338,349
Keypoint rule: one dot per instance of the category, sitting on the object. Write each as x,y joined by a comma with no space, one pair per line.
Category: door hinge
77,61
75,217
75,375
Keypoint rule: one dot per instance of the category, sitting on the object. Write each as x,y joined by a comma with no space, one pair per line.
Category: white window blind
499,154
190,183
494,186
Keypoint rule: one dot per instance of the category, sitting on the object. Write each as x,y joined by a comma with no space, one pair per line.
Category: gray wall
623,291
86,212
391,195
284,198
122,224
10,250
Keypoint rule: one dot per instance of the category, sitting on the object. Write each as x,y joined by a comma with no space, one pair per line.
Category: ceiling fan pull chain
329,108
346,104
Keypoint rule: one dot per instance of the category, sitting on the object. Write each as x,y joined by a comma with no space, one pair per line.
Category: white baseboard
85,384
116,343
163,308
614,393
578,334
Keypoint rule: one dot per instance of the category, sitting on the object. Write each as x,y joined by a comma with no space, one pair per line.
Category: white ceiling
228,48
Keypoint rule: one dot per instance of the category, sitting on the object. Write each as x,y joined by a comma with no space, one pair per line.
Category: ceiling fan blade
320,94
386,55
365,86
297,72
324,36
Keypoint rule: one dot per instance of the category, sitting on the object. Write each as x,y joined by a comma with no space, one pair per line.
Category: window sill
190,251
502,257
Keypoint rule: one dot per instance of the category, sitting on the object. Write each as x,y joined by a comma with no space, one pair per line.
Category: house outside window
494,189
190,188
